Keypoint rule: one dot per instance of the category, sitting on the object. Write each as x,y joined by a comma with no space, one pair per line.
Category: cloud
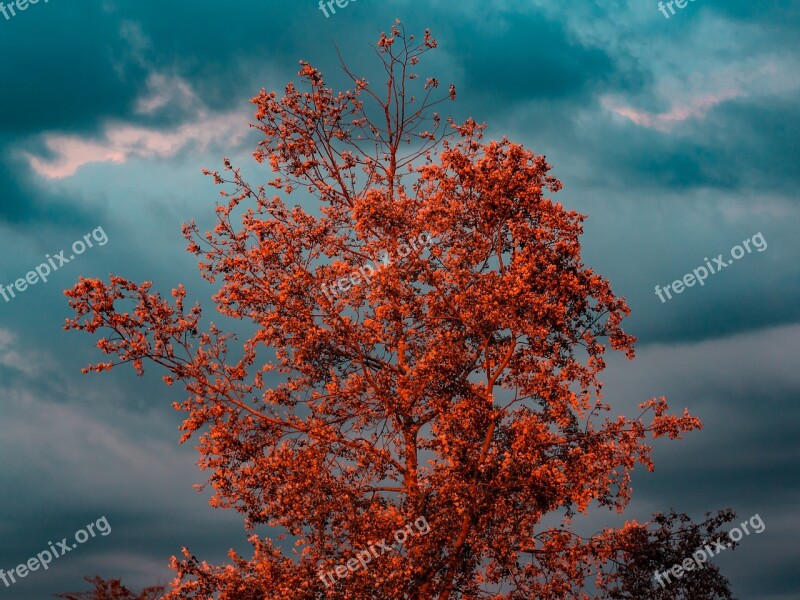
164,90
121,142
24,362
695,108
518,66
693,95
75,451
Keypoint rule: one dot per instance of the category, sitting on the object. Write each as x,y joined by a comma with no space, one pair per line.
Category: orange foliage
458,383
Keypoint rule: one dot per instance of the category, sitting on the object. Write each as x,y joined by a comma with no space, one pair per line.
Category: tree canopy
456,381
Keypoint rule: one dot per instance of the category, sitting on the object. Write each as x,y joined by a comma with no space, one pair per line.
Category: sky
676,134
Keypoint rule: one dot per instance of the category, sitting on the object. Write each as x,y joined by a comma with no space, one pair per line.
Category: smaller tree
655,547
112,589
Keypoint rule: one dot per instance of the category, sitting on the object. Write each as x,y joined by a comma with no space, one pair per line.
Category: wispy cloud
10,357
694,108
693,95
164,90
122,141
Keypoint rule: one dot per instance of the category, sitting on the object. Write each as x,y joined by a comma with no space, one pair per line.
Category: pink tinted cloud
121,142
695,108
164,90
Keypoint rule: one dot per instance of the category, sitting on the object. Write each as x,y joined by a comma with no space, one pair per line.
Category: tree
112,590
454,381
643,551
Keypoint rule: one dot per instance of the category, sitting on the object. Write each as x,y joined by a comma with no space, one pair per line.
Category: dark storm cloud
528,58
63,71
17,205
74,67
24,204
760,142
739,144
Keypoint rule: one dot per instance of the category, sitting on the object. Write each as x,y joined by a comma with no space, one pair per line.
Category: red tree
426,349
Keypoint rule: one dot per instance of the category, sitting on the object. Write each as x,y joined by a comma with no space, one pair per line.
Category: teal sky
677,137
